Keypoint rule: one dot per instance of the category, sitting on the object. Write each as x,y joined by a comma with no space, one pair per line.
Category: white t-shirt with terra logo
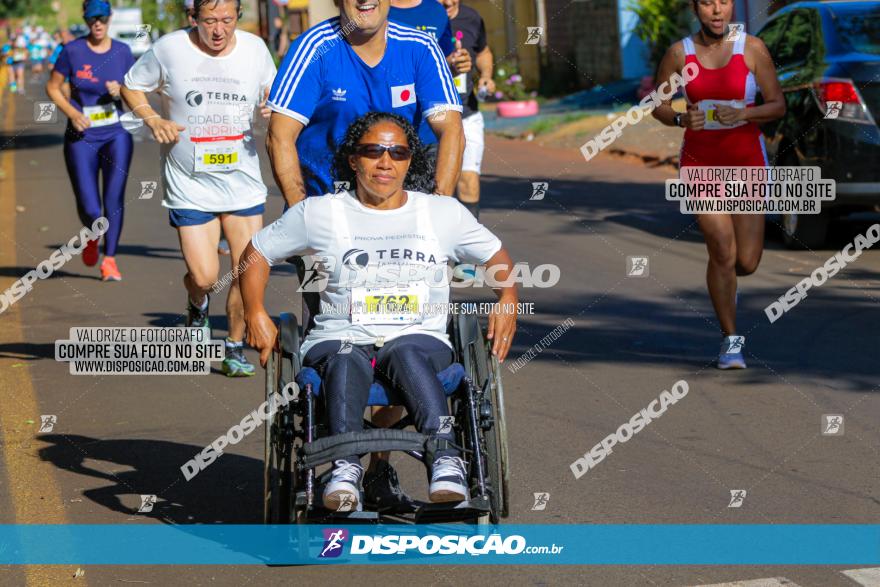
399,250
214,166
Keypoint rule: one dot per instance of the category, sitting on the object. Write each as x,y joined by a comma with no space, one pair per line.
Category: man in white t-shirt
210,78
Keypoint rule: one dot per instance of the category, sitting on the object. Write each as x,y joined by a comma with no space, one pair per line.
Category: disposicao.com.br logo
334,542
430,544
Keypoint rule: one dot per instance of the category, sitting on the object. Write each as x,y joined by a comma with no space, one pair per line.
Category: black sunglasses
374,151
90,21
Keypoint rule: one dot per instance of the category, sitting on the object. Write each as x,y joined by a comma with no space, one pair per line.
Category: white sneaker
342,493
448,480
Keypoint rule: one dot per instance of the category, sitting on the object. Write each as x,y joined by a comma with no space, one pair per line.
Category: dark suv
827,57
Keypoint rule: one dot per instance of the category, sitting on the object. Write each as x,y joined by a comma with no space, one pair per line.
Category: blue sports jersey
323,84
429,17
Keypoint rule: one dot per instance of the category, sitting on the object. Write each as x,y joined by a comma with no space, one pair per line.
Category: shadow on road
589,204
218,319
598,206
27,351
22,141
21,271
139,251
227,492
615,329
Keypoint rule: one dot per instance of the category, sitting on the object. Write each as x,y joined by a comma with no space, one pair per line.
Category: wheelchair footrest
326,450
442,512
322,516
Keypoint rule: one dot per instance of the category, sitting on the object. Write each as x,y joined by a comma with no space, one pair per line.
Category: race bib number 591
217,156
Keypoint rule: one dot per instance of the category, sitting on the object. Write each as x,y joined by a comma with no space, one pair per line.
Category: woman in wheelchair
383,311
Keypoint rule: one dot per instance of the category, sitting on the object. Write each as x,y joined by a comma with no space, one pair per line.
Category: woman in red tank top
721,125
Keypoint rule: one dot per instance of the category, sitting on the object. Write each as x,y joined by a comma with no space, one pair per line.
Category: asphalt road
758,430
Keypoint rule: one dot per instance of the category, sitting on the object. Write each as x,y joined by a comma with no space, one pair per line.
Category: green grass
553,122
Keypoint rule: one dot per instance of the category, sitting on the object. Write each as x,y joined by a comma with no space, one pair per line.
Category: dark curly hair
419,176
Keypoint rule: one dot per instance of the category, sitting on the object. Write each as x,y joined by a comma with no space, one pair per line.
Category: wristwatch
677,119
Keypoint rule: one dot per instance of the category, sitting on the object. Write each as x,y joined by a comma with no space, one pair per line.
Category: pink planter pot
517,109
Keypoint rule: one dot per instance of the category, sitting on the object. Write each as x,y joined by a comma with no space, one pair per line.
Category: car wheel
802,231
805,231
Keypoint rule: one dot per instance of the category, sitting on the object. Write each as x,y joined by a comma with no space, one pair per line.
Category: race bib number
101,114
388,305
710,107
461,83
217,156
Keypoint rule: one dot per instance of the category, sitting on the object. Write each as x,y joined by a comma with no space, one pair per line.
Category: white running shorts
473,143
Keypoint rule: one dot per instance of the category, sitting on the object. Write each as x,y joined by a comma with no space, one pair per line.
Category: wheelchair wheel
279,472
496,439
484,371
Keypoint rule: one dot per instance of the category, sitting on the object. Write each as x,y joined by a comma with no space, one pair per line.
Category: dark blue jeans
409,363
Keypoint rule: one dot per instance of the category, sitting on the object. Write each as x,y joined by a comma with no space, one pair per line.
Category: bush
661,23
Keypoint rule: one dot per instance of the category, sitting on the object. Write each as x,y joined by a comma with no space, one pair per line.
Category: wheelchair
297,439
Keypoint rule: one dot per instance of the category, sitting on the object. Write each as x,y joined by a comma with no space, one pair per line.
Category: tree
21,8
661,23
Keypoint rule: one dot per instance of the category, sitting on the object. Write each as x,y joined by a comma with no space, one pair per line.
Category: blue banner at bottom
745,544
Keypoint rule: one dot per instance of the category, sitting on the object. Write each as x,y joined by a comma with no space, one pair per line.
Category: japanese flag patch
403,95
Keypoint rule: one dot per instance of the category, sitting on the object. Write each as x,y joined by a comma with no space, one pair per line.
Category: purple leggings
112,157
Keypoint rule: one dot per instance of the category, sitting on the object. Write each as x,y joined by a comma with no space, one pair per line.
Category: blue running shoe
463,272
731,355
235,364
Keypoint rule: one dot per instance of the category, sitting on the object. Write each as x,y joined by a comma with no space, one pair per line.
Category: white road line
771,582
865,577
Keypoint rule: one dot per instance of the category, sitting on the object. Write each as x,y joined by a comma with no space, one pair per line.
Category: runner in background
429,17
210,78
59,41
189,10
730,73
19,61
279,38
8,62
95,142
35,53
469,32
426,16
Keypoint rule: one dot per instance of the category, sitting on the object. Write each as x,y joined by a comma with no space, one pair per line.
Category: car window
796,41
860,31
771,32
